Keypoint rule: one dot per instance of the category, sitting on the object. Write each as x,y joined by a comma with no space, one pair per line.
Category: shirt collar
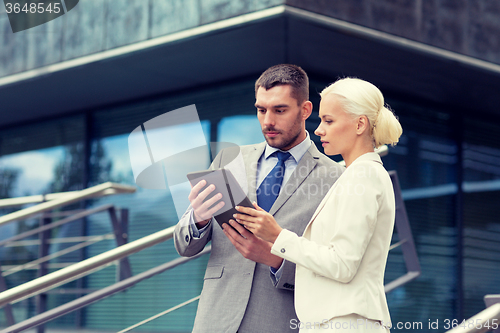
297,152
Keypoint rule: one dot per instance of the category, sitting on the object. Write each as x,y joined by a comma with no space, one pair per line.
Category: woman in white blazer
341,257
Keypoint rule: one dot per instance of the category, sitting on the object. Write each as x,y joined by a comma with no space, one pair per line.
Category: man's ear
306,109
362,125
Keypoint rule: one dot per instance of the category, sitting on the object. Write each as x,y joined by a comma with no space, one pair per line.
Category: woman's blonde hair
361,98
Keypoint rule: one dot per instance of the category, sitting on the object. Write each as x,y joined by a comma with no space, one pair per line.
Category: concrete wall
469,27
98,25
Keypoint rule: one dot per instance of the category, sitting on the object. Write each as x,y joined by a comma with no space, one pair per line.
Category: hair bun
387,129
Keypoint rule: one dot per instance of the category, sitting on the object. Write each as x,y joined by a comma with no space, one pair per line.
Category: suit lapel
306,165
251,161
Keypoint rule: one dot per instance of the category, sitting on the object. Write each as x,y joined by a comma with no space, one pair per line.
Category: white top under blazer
342,254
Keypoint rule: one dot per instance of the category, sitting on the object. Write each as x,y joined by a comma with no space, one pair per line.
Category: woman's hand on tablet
259,222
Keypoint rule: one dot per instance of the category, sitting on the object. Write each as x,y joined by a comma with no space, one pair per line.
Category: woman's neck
356,152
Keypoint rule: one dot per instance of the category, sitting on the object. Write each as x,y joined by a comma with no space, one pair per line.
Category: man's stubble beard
289,141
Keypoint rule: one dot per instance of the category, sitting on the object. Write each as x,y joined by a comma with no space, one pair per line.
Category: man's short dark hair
286,74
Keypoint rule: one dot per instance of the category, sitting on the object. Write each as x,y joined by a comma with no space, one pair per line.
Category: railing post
43,250
7,308
80,283
124,224
406,239
120,229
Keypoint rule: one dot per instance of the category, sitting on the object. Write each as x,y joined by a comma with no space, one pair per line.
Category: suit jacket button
282,250
187,239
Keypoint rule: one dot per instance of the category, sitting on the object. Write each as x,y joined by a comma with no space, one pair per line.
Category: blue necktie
270,187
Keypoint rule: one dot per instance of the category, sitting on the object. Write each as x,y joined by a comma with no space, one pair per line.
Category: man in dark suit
246,288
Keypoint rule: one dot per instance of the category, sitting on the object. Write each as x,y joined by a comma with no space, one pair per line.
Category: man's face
281,119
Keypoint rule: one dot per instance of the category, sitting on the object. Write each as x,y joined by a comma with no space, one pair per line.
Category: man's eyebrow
279,106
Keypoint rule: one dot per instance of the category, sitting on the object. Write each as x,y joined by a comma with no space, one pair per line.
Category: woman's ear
362,125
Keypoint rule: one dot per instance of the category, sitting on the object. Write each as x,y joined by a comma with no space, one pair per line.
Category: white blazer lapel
320,207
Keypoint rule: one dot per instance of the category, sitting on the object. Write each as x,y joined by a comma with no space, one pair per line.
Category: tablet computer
225,183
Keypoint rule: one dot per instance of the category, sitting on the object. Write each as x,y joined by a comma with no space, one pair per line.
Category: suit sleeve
287,277
185,244
350,214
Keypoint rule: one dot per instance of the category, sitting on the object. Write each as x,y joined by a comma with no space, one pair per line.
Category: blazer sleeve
185,244
349,216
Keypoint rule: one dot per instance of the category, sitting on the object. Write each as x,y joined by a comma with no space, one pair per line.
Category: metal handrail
44,209
479,321
55,265
31,199
62,240
161,314
83,268
37,262
100,294
46,227
66,199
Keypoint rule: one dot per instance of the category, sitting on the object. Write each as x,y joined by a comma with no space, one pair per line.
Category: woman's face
337,129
